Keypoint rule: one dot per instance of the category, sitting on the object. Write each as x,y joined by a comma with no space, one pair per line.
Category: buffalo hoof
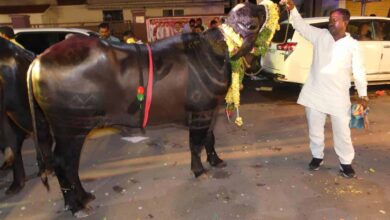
6,166
46,171
199,173
14,188
217,162
9,159
84,212
89,197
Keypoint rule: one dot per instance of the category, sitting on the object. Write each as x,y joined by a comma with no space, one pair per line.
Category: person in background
380,31
213,24
222,21
364,32
218,20
188,28
105,33
9,34
326,90
177,29
198,29
199,22
129,38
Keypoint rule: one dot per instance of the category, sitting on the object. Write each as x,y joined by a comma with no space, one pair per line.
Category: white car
290,55
38,39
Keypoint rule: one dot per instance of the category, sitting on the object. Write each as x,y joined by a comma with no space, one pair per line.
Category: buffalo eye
251,27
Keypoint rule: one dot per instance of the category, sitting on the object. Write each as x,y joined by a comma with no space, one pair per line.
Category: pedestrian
178,28
9,34
199,22
214,24
188,28
326,91
198,29
129,37
105,33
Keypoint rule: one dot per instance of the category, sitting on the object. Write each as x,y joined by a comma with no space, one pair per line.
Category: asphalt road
266,175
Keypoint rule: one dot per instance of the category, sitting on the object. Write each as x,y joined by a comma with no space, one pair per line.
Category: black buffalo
15,116
84,83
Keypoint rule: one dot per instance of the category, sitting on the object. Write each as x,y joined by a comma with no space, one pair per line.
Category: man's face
104,32
337,25
177,26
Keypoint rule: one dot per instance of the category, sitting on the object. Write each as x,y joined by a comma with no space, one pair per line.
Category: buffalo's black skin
15,117
83,83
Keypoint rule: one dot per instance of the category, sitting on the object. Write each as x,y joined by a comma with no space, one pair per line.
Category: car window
284,34
38,42
286,31
93,34
381,31
361,30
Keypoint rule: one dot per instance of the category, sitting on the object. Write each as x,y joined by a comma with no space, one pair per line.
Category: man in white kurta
326,92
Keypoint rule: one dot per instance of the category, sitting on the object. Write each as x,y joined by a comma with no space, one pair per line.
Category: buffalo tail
45,174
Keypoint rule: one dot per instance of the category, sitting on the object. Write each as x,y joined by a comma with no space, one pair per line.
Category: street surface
266,177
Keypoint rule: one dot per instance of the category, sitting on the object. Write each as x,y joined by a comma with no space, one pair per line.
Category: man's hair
213,22
344,12
7,31
104,25
128,33
200,27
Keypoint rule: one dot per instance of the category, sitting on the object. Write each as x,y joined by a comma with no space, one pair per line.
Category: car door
363,31
382,37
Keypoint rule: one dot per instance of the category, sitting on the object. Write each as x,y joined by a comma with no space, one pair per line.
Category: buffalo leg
7,144
67,159
197,137
212,156
18,169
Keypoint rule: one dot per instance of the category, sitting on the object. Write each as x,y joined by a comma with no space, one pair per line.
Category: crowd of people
161,29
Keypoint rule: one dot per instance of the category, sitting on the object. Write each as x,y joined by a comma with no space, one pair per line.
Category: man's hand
289,4
363,101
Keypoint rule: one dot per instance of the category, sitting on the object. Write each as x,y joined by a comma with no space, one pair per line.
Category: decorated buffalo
84,83
15,117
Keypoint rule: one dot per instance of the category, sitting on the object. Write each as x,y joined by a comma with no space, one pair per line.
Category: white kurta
327,86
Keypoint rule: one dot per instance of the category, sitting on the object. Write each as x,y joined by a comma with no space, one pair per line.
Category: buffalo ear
262,15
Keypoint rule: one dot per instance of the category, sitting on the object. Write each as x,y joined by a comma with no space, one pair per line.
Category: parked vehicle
38,39
290,55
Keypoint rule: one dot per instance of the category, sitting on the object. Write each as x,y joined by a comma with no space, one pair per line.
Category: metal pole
363,9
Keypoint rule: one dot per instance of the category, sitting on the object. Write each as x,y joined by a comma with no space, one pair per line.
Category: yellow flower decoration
234,41
270,27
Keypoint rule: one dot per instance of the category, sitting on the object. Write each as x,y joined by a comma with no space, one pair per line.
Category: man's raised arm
309,32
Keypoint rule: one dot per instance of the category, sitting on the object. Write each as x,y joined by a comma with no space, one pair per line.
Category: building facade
127,14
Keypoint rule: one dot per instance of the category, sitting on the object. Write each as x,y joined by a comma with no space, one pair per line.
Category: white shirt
327,86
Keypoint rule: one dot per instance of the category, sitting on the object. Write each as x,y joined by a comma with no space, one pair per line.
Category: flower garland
234,41
270,27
